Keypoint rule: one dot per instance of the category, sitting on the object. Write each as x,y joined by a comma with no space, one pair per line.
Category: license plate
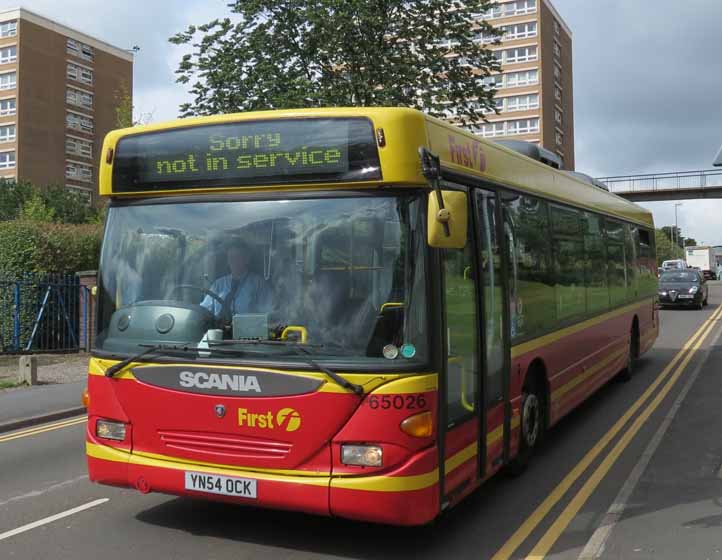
685,297
224,485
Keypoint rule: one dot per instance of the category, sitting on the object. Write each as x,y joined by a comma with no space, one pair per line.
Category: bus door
494,353
473,314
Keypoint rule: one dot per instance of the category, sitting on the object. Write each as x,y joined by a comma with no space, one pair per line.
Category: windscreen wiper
301,350
345,383
115,368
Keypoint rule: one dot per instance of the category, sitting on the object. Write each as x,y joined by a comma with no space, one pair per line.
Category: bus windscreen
248,153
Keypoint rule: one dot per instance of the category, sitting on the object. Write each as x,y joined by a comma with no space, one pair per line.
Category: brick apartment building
535,93
59,90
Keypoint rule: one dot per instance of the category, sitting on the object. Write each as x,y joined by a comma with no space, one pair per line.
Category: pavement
61,380
661,491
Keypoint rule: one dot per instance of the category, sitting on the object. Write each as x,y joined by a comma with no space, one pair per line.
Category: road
660,469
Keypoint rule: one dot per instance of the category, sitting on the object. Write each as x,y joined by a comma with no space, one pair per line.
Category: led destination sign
247,153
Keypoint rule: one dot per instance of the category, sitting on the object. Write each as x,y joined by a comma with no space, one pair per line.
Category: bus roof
399,134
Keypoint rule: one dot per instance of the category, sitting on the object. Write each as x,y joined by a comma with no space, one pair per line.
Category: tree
666,250
690,242
423,54
53,203
36,210
124,109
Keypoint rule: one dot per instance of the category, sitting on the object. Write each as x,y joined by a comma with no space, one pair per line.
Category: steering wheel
201,289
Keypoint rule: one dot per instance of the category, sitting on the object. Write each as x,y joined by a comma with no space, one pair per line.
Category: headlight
693,290
110,430
362,455
663,293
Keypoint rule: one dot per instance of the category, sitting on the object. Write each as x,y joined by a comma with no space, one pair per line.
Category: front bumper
406,496
681,300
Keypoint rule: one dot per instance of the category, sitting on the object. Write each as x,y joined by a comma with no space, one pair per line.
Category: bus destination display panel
248,153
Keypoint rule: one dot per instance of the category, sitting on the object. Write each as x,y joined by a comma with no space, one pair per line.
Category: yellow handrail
391,305
298,329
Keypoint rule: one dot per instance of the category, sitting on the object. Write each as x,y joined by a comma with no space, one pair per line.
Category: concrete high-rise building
59,90
535,93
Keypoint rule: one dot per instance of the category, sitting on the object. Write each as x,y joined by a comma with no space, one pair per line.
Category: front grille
225,445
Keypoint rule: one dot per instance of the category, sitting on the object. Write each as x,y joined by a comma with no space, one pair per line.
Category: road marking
536,517
595,546
562,522
52,518
43,428
51,488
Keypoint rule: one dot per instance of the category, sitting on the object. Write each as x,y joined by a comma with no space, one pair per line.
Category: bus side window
531,291
616,268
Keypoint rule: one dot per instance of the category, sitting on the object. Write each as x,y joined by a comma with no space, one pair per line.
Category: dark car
683,287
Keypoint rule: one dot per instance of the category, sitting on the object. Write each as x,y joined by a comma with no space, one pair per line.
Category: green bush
52,203
33,252
39,247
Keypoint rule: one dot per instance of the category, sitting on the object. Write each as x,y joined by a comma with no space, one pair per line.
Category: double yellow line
562,521
44,428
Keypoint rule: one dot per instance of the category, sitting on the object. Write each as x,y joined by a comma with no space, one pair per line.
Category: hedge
40,247
34,252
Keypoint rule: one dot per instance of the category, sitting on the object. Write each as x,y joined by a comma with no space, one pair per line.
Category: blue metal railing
43,313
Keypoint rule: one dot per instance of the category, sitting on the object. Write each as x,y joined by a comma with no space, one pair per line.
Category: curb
41,419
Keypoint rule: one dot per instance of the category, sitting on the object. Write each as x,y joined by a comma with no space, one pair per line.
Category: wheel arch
537,371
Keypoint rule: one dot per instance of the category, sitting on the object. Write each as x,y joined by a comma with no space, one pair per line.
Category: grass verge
9,384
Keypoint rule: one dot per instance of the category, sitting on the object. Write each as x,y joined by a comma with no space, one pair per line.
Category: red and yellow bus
361,313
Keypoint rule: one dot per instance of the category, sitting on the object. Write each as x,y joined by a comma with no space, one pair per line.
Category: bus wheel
632,355
531,427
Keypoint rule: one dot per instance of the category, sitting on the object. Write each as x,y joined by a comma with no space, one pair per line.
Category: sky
647,80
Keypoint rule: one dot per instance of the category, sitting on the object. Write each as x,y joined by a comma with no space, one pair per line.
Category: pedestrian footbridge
683,185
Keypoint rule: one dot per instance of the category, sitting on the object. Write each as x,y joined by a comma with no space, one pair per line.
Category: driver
242,291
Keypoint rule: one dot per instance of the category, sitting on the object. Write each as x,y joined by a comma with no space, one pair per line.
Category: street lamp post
718,160
676,233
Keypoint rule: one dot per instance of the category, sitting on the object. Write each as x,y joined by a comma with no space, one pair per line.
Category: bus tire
632,356
531,426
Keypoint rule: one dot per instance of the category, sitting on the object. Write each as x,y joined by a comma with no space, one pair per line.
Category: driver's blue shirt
251,296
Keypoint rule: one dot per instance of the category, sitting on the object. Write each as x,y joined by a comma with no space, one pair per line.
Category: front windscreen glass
344,276
679,277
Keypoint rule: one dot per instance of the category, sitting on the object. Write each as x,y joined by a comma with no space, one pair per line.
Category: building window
80,122
489,130
81,50
559,138
523,78
79,172
8,80
81,192
7,160
508,128
556,27
557,73
8,54
522,126
557,49
522,102
7,133
78,147
80,74
79,98
558,94
520,54
495,81
518,8
8,29
498,104
558,117
519,31
7,107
